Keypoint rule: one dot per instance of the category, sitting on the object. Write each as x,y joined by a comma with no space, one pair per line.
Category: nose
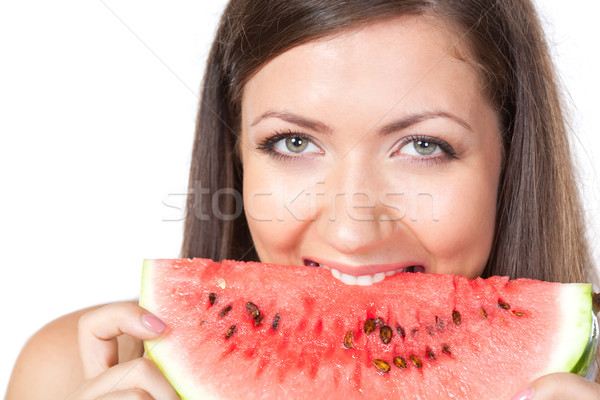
355,216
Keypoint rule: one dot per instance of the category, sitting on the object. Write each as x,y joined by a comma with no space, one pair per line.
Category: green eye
424,148
296,144
418,148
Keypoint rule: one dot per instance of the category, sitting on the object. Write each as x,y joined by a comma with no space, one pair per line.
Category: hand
560,386
104,377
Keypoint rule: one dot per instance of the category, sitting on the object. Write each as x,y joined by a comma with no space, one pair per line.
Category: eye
289,145
425,148
295,144
420,147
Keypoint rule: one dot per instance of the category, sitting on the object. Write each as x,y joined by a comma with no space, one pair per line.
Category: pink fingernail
153,323
525,394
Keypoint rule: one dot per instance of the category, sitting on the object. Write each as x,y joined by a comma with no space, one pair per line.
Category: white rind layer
160,350
575,304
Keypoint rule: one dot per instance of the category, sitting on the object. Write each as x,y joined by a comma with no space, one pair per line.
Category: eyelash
448,151
267,145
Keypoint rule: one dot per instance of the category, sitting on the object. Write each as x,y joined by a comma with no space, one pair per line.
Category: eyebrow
295,119
387,129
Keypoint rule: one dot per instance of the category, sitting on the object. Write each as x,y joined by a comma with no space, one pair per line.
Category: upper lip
370,269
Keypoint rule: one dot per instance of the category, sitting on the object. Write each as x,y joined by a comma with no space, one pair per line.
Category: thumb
560,386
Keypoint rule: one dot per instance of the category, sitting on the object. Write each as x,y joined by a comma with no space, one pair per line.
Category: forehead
412,61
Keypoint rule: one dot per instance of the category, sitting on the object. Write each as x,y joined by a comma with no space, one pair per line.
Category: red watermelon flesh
411,336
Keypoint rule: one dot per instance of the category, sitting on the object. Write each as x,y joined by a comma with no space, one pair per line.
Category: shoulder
51,360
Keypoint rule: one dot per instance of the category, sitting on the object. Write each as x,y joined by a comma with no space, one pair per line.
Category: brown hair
539,228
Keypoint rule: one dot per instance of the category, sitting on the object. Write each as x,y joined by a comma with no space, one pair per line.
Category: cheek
278,207
456,223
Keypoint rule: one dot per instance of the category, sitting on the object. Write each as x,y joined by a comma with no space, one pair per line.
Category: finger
561,386
98,329
132,394
135,378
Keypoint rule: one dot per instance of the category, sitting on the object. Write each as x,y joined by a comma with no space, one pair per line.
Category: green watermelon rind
572,349
158,350
583,366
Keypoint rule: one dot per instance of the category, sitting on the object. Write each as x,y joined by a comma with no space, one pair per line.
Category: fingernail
153,323
525,394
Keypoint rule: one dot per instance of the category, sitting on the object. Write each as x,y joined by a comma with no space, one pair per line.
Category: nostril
311,263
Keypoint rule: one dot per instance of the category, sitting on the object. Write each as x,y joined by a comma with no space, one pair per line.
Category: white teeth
362,280
350,279
347,279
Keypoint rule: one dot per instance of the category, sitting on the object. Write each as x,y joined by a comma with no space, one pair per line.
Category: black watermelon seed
400,331
379,322
415,332
416,362
348,340
275,324
446,349
225,311
370,326
399,362
385,334
430,354
252,310
456,317
381,366
212,298
258,320
518,313
483,313
230,331
503,305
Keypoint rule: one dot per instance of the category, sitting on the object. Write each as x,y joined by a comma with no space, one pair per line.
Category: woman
362,134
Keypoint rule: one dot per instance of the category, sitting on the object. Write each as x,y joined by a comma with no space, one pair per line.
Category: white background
97,112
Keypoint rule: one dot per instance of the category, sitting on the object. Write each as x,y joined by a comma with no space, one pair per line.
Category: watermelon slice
257,331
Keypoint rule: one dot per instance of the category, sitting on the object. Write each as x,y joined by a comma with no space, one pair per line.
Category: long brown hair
539,228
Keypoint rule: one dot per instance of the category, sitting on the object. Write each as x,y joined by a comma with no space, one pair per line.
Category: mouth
363,275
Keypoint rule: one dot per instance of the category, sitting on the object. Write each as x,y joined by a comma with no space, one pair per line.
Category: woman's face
371,152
